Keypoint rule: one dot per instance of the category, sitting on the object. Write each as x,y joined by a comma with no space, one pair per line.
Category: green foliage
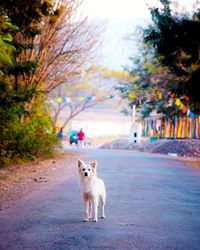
176,42
6,48
26,128
168,62
149,82
34,136
24,68
19,31
25,135
26,14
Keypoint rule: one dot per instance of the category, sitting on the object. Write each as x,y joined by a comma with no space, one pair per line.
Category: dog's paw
103,217
85,219
95,220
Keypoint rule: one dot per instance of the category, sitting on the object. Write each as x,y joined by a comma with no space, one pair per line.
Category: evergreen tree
149,81
176,43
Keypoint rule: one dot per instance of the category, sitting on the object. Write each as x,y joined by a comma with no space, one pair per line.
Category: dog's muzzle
86,174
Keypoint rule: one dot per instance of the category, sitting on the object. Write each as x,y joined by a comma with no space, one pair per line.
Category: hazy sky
122,16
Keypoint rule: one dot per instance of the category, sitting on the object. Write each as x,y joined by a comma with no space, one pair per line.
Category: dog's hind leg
103,202
95,209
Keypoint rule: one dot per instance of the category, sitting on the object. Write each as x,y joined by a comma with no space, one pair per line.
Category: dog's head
87,170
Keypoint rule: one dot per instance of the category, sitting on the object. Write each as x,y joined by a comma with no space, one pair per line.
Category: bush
27,136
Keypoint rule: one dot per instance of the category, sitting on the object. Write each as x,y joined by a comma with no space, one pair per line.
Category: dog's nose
86,174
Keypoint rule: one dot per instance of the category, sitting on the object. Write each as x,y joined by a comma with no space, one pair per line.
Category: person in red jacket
81,138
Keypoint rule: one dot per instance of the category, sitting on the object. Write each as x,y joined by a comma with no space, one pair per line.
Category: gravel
181,147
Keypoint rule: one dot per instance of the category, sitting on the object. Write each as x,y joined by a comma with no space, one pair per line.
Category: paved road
153,203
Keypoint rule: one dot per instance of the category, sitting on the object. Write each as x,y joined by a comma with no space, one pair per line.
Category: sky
121,17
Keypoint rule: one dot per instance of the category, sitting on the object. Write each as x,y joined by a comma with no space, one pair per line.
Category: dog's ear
93,164
80,163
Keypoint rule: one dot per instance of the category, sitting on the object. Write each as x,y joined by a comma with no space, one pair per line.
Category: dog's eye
88,169
83,169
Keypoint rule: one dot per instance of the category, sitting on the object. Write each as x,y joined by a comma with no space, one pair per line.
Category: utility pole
133,114
135,132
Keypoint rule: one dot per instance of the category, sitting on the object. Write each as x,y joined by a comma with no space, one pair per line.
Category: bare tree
68,43
96,86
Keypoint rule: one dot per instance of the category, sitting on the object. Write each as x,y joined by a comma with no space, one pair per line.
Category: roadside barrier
175,128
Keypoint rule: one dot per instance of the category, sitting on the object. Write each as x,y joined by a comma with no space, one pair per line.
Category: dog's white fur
93,190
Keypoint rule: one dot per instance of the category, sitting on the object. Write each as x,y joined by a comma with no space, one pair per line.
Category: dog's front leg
95,209
102,201
87,215
90,210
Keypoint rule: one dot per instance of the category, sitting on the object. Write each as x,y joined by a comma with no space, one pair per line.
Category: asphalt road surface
153,202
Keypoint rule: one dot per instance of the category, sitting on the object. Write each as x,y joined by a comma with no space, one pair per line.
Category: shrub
27,136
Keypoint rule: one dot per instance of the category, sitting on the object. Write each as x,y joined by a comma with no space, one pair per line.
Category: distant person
81,138
60,134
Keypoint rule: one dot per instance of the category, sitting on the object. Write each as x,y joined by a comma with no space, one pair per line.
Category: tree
67,44
27,16
176,43
46,47
166,63
95,87
52,44
149,82
20,137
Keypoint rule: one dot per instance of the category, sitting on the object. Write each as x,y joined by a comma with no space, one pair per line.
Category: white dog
93,190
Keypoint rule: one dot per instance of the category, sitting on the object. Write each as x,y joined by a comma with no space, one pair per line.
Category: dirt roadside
17,180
